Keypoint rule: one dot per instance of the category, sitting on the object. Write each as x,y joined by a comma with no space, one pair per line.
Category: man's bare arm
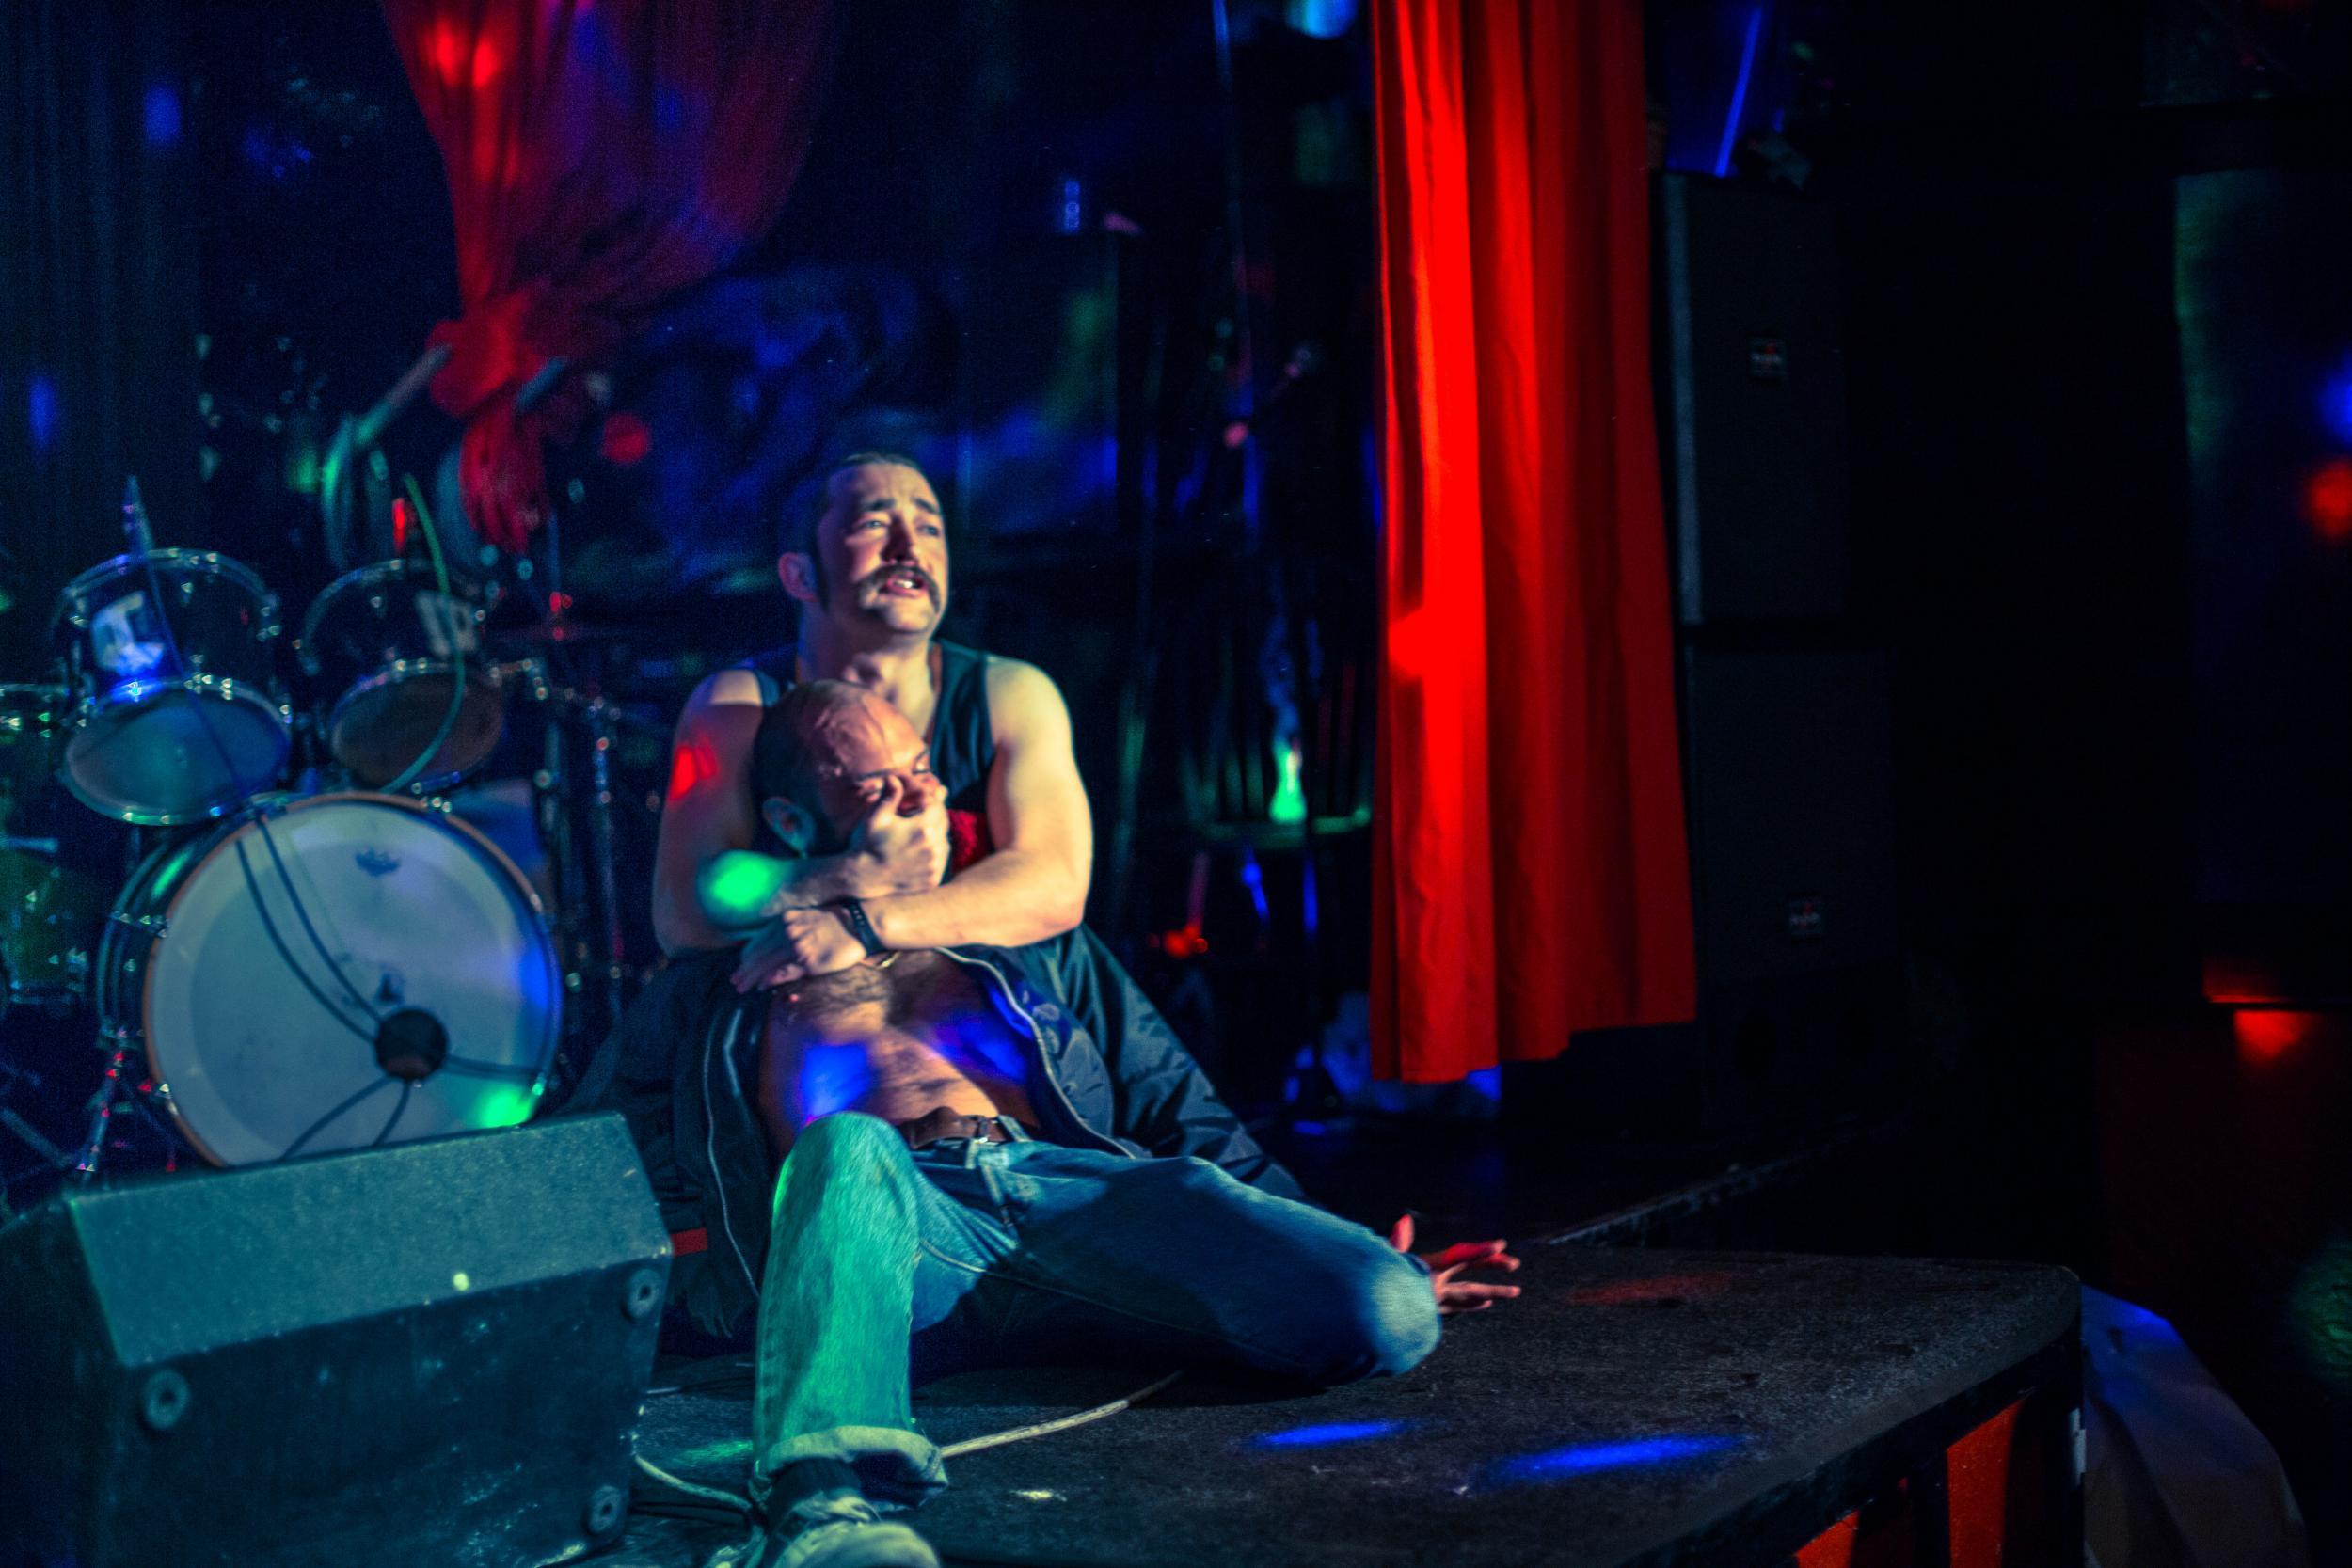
738,890
708,825
1034,886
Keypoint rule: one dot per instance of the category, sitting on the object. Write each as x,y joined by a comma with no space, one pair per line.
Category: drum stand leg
103,1106
555,830
55,1158
599,714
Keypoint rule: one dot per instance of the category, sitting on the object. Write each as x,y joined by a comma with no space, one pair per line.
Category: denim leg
1172,1260
865,1254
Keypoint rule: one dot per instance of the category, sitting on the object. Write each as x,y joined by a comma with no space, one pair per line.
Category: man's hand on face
1455,1293
890,853
796,945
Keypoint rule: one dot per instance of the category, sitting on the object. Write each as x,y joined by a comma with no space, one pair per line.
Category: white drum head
264,1046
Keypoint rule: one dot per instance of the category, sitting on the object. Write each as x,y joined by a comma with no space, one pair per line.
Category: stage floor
1631,1407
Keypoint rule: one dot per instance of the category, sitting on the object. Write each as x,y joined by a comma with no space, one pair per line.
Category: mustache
931,584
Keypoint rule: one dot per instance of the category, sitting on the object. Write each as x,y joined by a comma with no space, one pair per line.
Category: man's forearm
1010,899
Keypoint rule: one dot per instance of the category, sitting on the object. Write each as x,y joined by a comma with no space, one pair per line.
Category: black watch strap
861,925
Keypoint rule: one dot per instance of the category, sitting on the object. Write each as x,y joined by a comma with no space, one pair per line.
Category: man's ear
790,824
798,573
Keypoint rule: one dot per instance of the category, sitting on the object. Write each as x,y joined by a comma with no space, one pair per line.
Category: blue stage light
1583,1458
2335,401
1739,91
1323,19
160,114
40,411
1329,1433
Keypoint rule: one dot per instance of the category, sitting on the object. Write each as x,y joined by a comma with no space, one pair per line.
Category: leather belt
943,1123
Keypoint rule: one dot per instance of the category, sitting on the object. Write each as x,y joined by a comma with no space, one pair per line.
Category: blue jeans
887,1267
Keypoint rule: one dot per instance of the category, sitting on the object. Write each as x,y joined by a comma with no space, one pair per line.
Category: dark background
2076,271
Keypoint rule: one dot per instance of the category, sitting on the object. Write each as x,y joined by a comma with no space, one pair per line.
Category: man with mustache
868,568
739,908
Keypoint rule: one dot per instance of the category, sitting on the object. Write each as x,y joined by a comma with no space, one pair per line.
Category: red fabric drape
601,154
1531,873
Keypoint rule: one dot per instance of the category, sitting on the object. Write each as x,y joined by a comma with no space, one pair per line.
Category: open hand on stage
1455,1293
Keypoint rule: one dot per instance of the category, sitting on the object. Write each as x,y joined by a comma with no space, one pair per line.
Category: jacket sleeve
1164,1102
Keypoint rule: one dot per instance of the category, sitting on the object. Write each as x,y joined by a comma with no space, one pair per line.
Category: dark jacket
1104,1071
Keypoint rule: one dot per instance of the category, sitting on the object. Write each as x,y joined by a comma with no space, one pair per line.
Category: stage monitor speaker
1752,404
1792,782
433,1352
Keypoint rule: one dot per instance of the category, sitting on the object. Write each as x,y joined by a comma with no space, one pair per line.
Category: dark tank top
962,742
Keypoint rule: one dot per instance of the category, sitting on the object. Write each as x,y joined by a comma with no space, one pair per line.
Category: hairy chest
920,1022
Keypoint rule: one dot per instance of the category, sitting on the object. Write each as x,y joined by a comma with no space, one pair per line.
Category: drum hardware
49,909
52,1156
174,716
452,990
124,1098
594,953
396,644
11,1077
354,483
101,1113
598,713
451,995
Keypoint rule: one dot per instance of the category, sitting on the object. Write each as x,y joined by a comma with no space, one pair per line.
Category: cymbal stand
593,877
552,783
598,714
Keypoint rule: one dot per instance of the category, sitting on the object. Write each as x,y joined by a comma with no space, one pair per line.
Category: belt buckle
963,1125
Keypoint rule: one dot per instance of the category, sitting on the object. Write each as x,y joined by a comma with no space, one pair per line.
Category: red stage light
695,765
1184,941
2328,499
449,51
626,440
2265,1035
455,55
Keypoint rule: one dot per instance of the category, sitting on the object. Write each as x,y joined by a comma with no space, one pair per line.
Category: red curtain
601,154
1532,872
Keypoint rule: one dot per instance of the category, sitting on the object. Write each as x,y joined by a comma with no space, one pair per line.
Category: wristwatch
861,926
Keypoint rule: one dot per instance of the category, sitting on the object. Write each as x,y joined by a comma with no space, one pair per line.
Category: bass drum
333,973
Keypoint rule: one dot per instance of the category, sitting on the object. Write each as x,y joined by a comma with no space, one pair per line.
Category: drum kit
312,950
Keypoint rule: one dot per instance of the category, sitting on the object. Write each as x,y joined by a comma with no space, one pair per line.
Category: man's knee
1384,1323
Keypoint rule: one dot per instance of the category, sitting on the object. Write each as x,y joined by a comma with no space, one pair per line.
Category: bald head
828,752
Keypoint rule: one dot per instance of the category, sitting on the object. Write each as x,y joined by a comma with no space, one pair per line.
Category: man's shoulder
1023,696
754,683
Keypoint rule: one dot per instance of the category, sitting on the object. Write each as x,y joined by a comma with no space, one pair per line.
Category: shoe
843,1531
